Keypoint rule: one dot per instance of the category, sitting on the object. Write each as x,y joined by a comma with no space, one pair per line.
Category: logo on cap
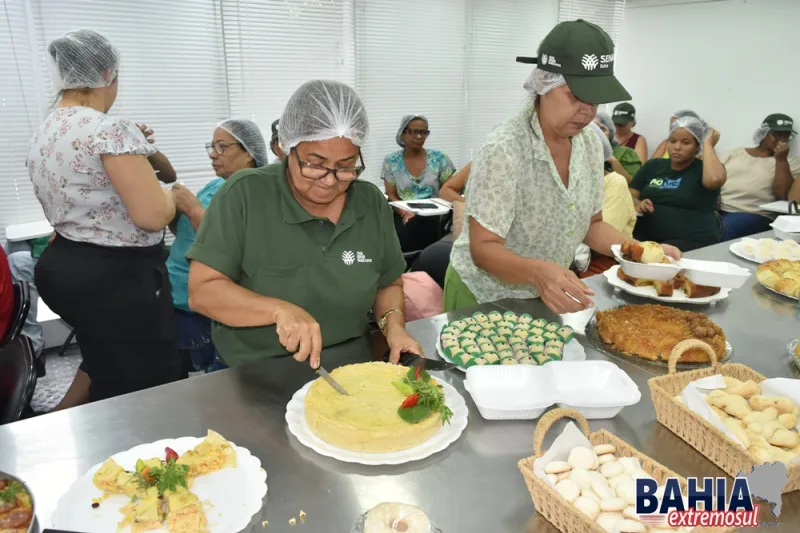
589,61
780,122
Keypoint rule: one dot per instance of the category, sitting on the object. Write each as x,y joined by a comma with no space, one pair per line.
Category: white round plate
736,248
235,494
776,292
296,420
650,292
573,351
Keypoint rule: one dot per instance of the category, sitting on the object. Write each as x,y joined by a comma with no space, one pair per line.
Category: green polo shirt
256,233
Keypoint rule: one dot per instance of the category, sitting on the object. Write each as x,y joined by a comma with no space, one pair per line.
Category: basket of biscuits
585,482
743,421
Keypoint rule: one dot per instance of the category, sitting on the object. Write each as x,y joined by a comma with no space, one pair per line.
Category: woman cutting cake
292,258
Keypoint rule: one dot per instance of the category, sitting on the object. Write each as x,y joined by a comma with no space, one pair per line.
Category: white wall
731,61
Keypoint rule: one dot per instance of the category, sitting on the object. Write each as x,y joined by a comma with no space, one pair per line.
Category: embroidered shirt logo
349,258
589,61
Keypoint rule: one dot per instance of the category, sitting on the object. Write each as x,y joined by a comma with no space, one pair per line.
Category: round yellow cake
366,420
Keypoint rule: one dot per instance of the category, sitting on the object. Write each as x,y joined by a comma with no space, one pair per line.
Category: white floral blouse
516,192
71,183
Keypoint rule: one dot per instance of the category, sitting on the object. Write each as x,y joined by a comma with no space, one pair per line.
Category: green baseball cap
623,114
779,122
275,129
584,54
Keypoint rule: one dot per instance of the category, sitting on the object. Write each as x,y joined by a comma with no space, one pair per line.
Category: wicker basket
730,456
559,511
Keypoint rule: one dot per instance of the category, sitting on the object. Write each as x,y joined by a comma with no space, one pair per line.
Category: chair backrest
17,378
22,304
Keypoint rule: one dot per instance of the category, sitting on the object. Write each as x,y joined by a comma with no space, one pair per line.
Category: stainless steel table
473,486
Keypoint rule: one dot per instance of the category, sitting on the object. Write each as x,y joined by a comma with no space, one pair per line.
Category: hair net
82,59
695,126
543,81
760,134
603,140
605,119
247,133
404,124
685,113
320,110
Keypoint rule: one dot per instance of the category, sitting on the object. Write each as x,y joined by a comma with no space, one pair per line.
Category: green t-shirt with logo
684,209
256,233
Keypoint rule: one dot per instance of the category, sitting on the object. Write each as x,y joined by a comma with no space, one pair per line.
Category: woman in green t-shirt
678,197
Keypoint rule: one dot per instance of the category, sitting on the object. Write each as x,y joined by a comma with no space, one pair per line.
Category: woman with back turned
104,273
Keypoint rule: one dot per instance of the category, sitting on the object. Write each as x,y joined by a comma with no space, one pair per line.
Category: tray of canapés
496,338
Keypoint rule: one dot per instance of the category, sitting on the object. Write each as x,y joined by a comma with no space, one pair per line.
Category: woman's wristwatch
385,316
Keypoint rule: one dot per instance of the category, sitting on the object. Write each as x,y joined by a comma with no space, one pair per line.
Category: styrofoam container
785,236
787,224
653,271
714,273
597,389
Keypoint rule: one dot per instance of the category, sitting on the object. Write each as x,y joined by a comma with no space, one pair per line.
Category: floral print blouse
69,179
516,192
438,169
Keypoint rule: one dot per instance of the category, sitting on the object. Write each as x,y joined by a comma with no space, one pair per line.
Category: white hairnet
82,59
603,140
543,81
404,124
760,134
695,126
685,113
320,110
249,134
605,119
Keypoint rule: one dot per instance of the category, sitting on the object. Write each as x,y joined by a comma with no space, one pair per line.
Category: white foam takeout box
787,227
709,273
597,389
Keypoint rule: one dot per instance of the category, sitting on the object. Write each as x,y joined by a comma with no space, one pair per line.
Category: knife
332,382
412,359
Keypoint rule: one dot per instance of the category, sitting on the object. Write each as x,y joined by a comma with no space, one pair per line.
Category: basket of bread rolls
764,425
590,487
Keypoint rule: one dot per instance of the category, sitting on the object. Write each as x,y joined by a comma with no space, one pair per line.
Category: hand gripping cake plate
388,408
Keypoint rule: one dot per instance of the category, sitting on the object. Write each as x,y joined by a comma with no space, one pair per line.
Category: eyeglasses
219,147
318,172
421,133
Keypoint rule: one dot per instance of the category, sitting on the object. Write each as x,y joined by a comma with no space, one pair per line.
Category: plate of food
677,290
781,276
645,260
762,250
496,338
17,509
391,415
649,332
184,485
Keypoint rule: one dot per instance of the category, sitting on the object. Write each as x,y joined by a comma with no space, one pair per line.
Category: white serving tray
710,273
597,389
650,292
573,351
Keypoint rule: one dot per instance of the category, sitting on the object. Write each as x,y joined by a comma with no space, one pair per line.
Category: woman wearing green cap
624,160
536,186
758,176
624,117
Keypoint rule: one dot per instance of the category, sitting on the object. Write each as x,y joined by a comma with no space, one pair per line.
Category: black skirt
119,302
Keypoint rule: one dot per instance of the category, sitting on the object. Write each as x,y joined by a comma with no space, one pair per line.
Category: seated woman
758,176
624,121
237,145
415,173
618,208
536,187
624,161
678,196
292,258
275,144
